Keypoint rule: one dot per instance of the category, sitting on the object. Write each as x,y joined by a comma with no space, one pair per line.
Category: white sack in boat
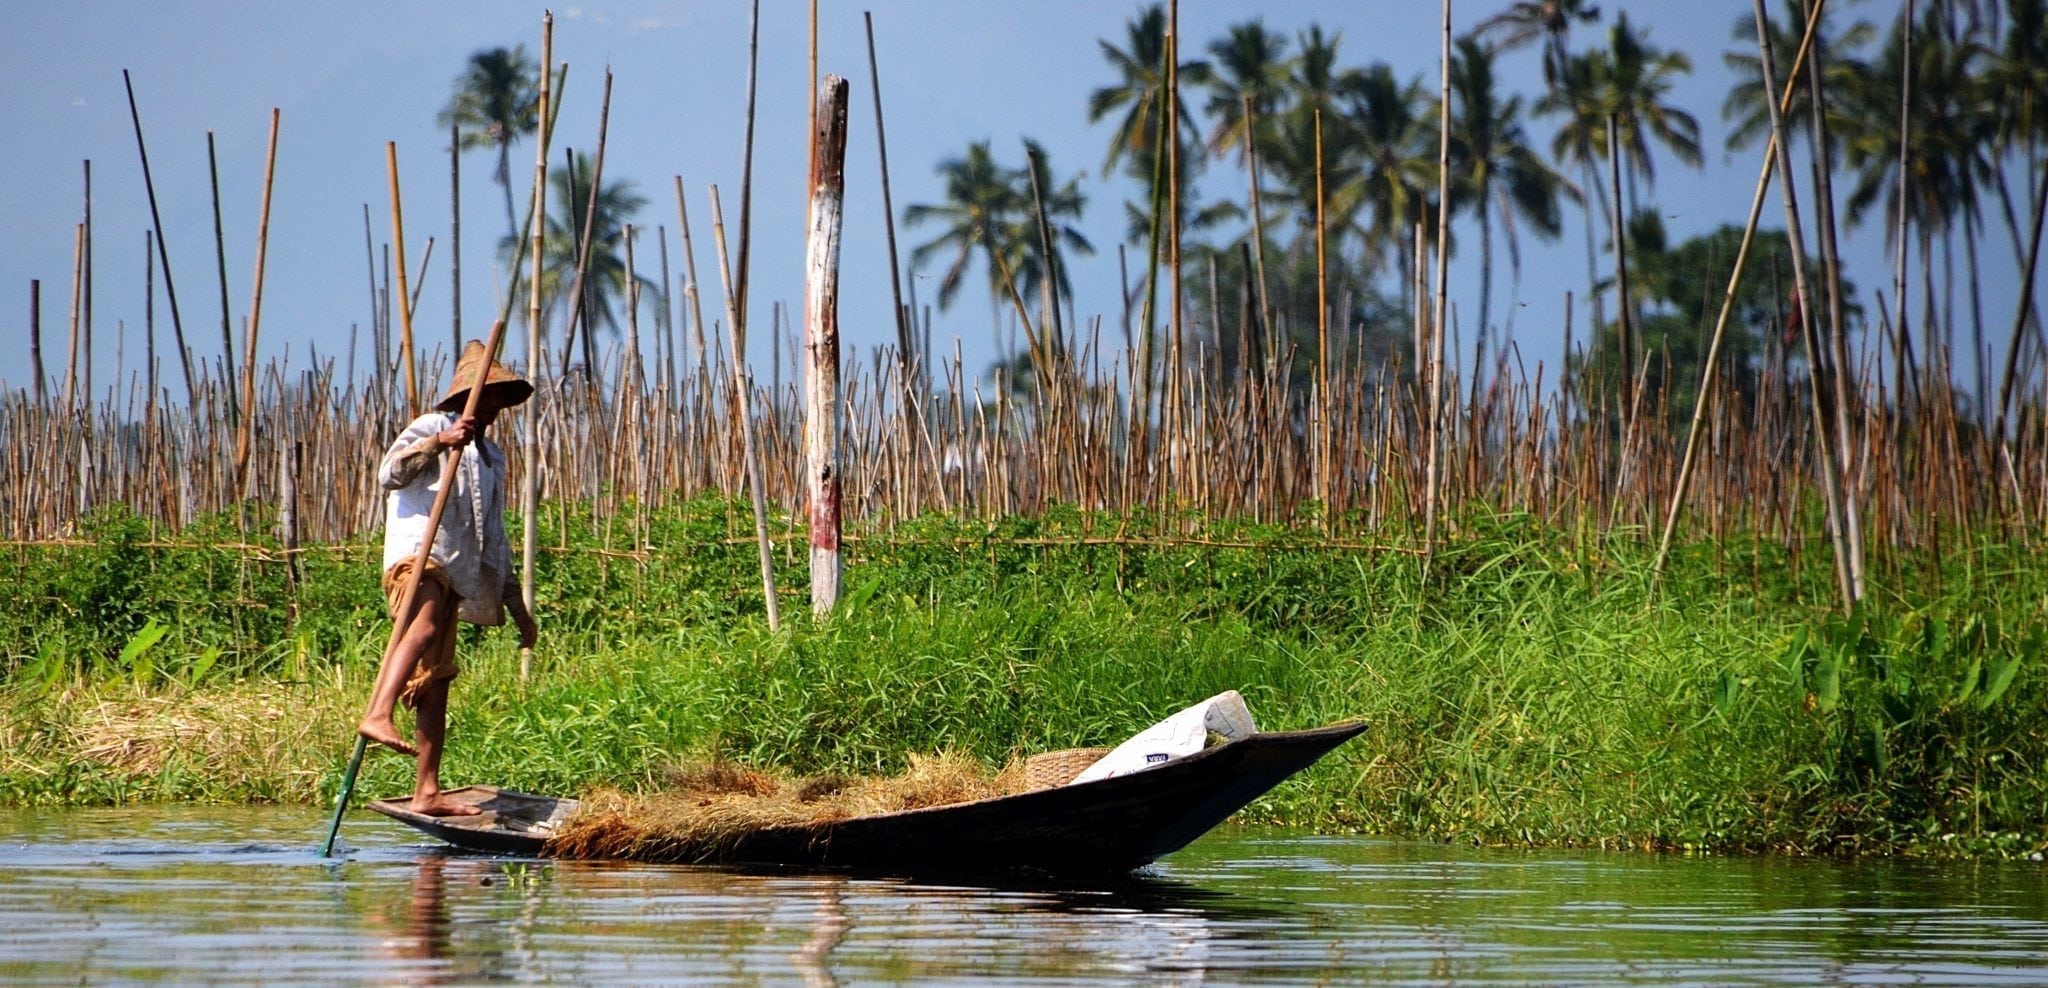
1178,736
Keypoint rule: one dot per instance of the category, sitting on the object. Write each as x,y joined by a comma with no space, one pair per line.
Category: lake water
239,894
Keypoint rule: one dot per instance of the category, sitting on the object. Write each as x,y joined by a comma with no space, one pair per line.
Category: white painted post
821,341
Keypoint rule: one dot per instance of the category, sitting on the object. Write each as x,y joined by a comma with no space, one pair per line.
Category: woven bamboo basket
1057,768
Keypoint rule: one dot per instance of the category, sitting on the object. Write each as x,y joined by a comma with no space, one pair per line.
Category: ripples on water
237,894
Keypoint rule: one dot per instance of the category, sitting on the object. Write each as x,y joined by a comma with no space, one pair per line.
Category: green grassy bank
1536,692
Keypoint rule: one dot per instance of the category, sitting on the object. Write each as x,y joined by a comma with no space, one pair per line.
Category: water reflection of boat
1105,826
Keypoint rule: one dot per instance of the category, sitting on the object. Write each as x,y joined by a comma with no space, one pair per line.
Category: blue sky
348,78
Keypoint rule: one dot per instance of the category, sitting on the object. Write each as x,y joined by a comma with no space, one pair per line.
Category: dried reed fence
1220,443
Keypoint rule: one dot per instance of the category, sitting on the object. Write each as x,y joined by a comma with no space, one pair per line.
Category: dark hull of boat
1111,825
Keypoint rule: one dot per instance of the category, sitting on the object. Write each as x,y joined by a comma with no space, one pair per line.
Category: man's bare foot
439,804
385,733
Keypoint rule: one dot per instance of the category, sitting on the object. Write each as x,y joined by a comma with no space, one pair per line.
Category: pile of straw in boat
706,808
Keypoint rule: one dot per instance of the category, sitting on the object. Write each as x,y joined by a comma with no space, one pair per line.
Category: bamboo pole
630,386
2019,322
1321,412
220,259
745,267
1432,481
690,289
1900,283
1710,375
1171,109
162,253
1837,342
743,416
77,292
1251,157
256,300
529,494
35,336
1851,580
665,339
577,315
455,237
821,340
1631,345
86,309
905,350
405,347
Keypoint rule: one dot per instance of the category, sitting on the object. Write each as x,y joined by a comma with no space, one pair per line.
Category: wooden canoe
1106,826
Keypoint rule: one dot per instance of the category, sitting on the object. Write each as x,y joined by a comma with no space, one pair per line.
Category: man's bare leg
430,725
430,612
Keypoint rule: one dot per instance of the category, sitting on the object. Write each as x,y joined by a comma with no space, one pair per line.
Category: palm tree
1580,97
1494,170
1251,69
1139,91
1397,173
496,101
981,213
1953,125
605,279
1319,88
1744,107
1638,78
1062,202
2018,81
1551,20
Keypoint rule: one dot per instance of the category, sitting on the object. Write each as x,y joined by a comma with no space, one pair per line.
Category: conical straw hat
510,387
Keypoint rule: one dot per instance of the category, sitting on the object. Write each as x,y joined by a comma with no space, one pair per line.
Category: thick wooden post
821,342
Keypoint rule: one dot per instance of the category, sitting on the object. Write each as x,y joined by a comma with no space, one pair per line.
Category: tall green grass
1537,692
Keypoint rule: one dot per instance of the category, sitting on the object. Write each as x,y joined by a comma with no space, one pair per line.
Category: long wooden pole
85,311
1436,372
746,231
77,287
1170,106
906,355
1710,376
220,260
35,335
821,341
2019,322
1321,413
529,493
256,303
743,415
690,289
162,254
455,236
1850,579
1630,343
576,314
405,348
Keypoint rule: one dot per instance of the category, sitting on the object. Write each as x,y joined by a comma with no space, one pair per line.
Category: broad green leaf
1725,693
1827,680
135,655
1971,678
2001,676
1876,753
202,665
861,594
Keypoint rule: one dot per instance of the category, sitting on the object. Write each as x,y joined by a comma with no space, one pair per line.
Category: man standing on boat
469,574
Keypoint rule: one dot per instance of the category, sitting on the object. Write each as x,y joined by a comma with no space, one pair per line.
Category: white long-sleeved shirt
471,543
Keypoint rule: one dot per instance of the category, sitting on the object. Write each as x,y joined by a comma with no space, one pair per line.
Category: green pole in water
348,788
